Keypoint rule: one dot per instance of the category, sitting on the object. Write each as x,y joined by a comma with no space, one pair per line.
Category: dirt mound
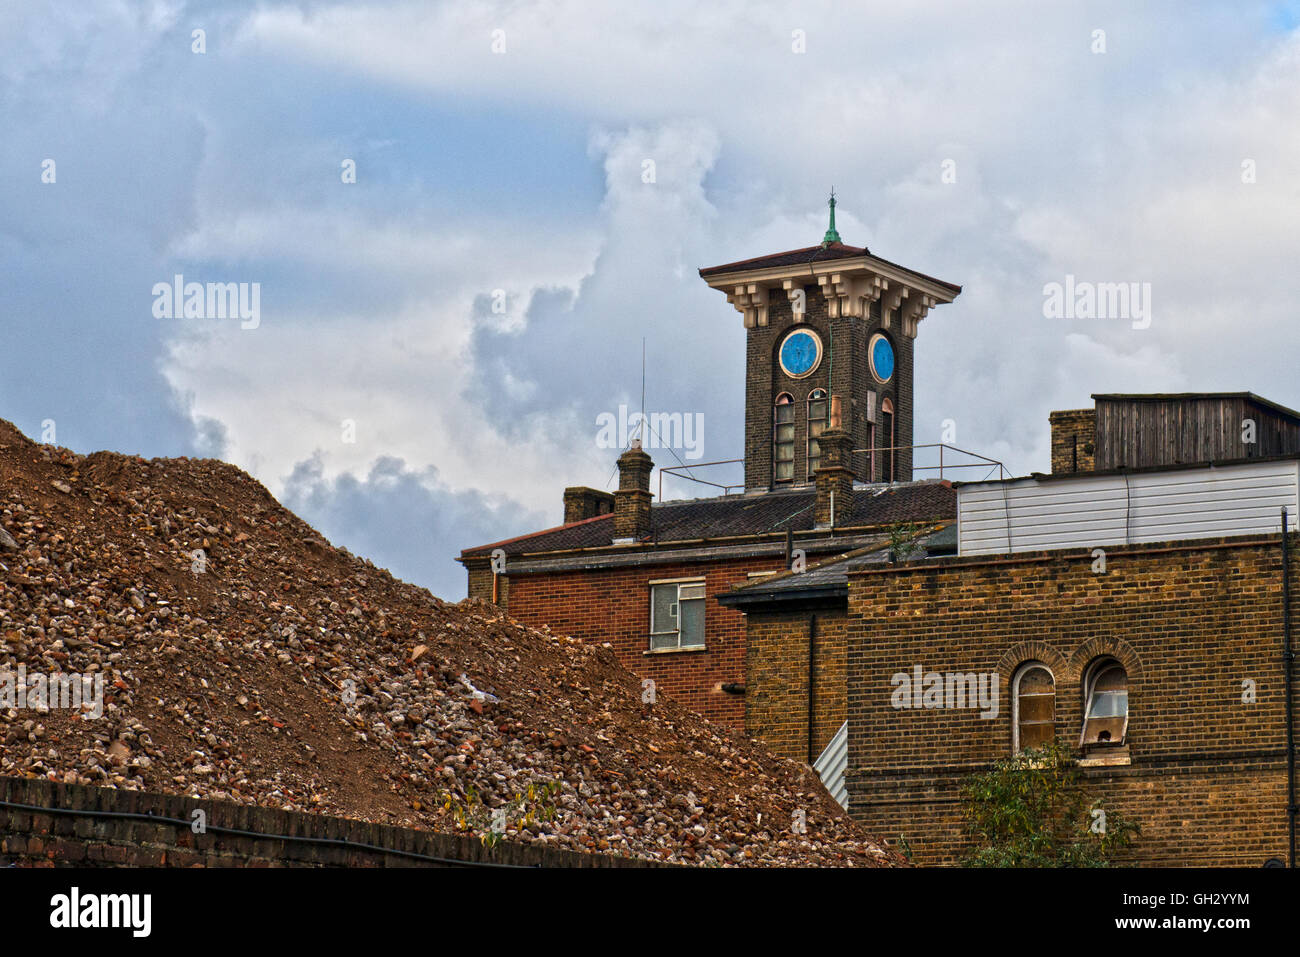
243,658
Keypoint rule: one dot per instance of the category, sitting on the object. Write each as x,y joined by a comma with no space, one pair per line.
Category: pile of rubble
244,659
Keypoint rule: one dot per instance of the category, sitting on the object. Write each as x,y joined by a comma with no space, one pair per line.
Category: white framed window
1033,707
677,614
1105,712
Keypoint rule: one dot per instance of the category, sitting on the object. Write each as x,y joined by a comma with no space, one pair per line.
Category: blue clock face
800,353
881,354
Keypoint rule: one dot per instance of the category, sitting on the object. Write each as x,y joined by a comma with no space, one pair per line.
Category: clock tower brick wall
844,356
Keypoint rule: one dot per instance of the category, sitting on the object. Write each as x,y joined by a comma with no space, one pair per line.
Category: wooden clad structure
1137,431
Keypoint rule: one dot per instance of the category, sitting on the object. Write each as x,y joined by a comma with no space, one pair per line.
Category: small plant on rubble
904,847
535,803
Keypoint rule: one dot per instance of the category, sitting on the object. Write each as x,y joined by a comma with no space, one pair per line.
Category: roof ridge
740,519
845,248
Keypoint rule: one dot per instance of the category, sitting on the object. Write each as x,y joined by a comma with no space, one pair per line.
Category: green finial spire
832,236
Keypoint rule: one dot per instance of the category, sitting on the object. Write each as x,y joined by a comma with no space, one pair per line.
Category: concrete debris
241,658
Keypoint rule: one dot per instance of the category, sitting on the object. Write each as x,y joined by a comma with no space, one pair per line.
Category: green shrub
1030,811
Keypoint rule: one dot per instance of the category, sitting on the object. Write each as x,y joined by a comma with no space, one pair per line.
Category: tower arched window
783,438
1033,707
817,417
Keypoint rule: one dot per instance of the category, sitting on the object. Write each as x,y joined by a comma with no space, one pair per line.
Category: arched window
886,433
817,413
1033,707
1105,712
783,438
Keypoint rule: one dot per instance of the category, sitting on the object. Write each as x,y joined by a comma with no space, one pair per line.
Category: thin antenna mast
642,428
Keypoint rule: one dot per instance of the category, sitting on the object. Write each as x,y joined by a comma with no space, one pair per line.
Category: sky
536,185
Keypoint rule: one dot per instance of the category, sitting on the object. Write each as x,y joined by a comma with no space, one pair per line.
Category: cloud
80,254
402,519
577,353
480,295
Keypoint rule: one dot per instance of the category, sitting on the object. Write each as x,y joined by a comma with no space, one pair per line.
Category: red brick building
828,467
591,580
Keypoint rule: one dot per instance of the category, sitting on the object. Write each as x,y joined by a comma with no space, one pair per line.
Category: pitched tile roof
825,252
830,578
731,516
584,534
794,257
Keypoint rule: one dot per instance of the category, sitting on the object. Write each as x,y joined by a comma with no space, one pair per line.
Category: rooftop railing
944,465
983,461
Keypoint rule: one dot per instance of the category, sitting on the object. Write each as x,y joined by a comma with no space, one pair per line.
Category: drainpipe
812,687
1288,664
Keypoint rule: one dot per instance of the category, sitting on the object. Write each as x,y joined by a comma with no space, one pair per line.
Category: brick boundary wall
37,838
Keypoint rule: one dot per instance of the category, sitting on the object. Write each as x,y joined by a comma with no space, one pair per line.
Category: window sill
674,651
1119,757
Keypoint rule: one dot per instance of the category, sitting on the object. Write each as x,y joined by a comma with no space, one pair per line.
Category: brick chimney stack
834,479
1074,440
582,503
632,500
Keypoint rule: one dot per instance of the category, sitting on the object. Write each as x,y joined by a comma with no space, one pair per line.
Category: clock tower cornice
849,286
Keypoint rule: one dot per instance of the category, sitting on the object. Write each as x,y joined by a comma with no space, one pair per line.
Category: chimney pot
632,500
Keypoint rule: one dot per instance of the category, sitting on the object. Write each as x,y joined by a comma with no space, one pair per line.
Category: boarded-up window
783,437
1106,712
816,426
1034,703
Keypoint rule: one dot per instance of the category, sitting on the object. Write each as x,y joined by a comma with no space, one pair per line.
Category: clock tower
829,332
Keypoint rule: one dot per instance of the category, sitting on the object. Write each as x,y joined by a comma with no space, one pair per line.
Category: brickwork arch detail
1116,648
1024,651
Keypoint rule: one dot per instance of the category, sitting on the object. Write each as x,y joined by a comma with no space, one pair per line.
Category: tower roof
850,278
824,252
830,250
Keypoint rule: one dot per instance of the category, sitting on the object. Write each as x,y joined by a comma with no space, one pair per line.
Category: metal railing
676,470
983,461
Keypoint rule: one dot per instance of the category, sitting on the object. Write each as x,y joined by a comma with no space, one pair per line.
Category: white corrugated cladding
832,763
1084,511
